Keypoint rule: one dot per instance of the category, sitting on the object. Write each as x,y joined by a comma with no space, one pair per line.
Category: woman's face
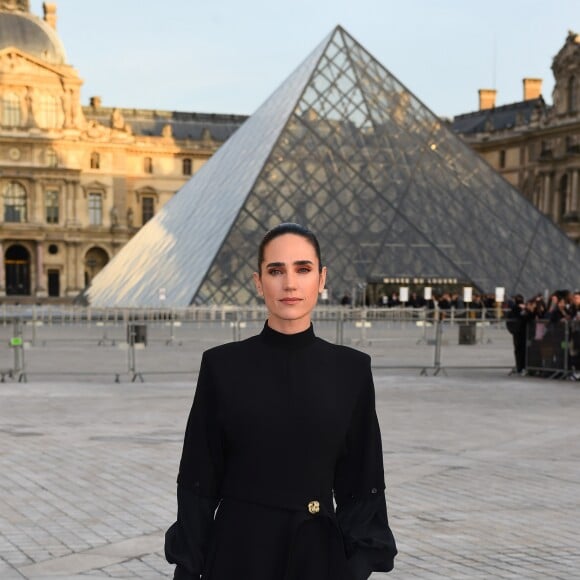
290,281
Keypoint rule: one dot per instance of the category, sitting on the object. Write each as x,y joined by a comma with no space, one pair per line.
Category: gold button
314,507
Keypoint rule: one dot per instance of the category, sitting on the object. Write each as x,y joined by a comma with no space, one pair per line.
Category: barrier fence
132,344
553,349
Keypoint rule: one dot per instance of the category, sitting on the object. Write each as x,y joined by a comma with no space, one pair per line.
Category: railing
553,349
132,344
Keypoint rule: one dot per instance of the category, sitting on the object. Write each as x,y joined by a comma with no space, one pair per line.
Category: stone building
76,182
535,146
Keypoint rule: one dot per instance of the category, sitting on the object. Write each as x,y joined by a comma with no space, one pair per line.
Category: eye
304,269
275,271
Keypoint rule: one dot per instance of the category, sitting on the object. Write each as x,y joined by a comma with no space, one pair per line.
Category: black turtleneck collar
297,340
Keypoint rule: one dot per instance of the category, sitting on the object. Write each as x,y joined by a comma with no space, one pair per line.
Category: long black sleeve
186,540
359,492
199,482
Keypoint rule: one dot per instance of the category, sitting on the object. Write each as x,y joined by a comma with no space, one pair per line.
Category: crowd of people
539,323
442,301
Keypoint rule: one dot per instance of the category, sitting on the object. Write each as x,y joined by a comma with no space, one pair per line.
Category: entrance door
17,264
53,283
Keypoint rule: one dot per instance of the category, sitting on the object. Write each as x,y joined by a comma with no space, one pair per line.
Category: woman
281,424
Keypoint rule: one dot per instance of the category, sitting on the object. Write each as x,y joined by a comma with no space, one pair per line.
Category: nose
290,281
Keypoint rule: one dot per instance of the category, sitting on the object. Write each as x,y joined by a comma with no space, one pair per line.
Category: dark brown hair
288,228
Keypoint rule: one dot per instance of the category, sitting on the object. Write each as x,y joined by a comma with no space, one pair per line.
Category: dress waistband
311,504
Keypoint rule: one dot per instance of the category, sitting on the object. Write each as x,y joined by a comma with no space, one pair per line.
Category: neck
289,326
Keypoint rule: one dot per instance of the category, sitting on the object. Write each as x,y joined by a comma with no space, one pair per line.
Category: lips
291,300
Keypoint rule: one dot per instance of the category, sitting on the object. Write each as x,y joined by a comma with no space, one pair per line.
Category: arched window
148,165
563,195
572,94
11,111
15,203
187,166
95,260
48,118
17,270
95,160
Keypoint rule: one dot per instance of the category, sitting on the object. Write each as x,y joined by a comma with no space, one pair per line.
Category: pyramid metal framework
345,149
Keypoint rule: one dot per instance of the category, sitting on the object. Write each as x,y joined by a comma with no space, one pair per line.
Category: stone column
545,205
2,271
71,268
71,189
40,287
74,193
79,270
75,270
68,219
574,192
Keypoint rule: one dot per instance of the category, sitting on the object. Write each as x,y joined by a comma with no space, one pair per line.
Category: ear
258,283
322,282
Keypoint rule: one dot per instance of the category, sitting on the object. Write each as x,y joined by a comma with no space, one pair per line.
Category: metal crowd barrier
131,344
553,349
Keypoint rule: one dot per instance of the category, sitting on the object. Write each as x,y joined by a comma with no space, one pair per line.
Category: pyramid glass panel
345,149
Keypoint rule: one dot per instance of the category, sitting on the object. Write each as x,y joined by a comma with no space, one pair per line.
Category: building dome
31,35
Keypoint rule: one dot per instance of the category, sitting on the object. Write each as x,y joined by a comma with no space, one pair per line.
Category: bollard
424,339
131,358
17,344
438,340
172,339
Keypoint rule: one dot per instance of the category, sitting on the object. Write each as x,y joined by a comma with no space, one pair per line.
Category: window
502,159
11,112
148,165
95,160
51,205
187,167
48,111
147,208
95,209
15,203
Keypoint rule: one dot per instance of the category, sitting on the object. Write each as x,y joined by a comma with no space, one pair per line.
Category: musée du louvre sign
413,280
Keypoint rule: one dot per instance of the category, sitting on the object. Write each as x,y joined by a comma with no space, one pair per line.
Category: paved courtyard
483,476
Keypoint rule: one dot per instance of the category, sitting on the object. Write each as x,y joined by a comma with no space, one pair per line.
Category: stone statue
114,216
117,120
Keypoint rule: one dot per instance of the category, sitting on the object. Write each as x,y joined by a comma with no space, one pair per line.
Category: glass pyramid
345,149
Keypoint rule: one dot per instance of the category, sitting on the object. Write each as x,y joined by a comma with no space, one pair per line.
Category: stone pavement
483,476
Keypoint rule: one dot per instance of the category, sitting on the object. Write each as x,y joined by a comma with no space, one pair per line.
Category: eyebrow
296,263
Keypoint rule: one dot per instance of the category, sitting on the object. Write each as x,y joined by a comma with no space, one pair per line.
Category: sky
228,56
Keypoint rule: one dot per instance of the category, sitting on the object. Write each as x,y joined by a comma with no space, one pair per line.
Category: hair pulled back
288,228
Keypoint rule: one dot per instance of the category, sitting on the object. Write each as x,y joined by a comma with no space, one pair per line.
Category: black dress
281,428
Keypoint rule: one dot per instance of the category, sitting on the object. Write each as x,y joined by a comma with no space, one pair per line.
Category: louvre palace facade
536,146
77,182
